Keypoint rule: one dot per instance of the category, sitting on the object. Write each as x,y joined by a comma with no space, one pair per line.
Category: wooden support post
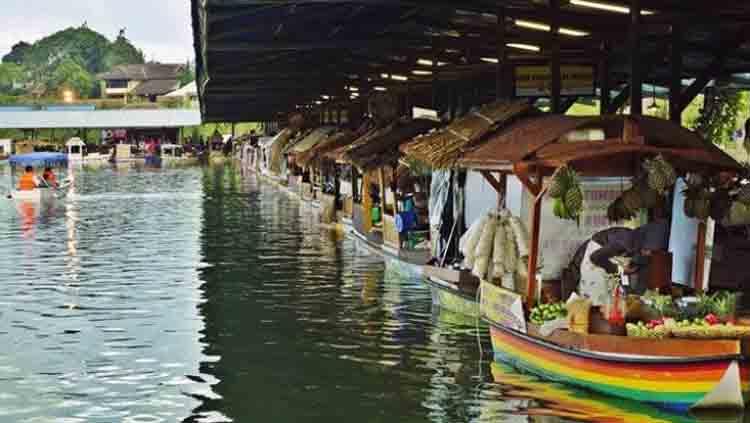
536,213
435,83
700,257
604,80
636,77
501,88
675,76
498,185
556,78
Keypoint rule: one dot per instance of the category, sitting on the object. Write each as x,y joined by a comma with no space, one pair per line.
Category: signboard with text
536,81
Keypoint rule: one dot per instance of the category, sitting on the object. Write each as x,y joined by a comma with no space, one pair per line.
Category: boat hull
668,382
452,299
36,195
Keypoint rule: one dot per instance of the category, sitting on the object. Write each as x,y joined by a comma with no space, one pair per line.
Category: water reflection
193,295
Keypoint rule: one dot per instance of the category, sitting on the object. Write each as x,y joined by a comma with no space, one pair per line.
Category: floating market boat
454,287
37,160
679,372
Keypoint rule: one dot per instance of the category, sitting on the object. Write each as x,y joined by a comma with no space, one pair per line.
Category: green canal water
200,295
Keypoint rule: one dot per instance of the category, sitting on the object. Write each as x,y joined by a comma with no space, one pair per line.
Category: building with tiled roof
147,80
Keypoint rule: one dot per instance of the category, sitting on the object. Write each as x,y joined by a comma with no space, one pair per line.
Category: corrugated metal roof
128,118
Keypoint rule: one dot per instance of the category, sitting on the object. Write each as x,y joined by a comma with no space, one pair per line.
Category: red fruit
711,319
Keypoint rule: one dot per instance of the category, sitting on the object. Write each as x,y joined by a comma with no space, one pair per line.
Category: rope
459,135
491,122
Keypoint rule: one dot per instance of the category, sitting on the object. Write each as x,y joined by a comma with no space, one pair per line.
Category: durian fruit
574,202
561,181
661,174
632,200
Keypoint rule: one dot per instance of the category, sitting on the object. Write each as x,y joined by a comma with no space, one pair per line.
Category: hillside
70,59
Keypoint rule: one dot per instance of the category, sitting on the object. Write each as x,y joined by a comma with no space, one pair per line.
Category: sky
161,28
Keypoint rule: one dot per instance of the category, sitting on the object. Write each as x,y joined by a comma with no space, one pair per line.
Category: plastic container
375,214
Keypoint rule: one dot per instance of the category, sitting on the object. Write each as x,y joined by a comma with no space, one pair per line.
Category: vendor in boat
28,181
49,177
638,244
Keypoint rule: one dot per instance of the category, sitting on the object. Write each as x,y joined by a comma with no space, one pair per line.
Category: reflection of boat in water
549,401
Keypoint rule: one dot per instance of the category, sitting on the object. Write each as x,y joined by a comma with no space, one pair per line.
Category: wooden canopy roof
258,58
382,148
549,141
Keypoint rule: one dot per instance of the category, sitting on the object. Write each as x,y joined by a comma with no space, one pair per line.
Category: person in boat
638,244
28,181
49,177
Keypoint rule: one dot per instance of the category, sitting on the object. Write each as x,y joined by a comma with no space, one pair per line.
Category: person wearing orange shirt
28,180
49,177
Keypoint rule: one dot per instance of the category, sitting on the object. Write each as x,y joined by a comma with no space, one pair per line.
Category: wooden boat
677,374
454,290
38,195
671,373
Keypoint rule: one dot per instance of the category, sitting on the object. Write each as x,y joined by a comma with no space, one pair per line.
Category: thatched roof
310,140
382,146
337,140
278,144
546,141
441,148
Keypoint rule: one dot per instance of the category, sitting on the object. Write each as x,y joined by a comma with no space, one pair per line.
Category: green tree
717,120
187,74
122,52
69,74
17,53
10,73
81,45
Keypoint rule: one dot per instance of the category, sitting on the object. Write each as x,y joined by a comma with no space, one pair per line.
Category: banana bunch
661,174
565,189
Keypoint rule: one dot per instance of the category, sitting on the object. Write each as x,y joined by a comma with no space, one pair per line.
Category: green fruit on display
574,202
661,174
559,209
547,312
560,182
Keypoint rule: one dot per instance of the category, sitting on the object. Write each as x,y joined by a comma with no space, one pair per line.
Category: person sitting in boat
49,177
28,181
638,244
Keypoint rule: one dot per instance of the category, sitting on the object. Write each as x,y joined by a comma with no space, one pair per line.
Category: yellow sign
503,307
536,81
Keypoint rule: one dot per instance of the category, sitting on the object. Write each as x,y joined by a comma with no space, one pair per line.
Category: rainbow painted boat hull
671,374
671,383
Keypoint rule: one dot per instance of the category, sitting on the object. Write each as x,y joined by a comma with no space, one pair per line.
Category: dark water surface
197,295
